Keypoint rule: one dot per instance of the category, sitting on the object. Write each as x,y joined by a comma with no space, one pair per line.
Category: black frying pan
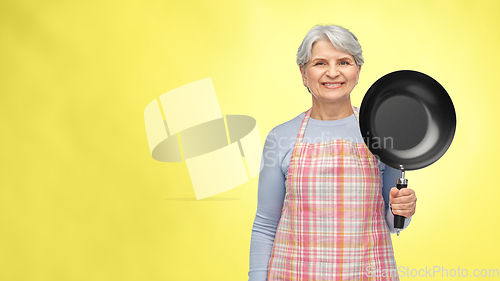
408,121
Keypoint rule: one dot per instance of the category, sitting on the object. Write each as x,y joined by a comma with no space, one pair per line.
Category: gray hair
342,39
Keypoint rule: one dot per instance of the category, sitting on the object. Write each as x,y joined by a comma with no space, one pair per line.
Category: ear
304,76
359,70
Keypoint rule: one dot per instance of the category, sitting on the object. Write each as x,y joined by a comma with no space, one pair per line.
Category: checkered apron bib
332,225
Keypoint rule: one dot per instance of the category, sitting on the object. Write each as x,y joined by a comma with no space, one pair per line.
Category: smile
332,85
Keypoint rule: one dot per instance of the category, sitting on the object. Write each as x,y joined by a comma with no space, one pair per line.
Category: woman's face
330,75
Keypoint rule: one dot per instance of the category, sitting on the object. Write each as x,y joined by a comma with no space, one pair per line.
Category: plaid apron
332,225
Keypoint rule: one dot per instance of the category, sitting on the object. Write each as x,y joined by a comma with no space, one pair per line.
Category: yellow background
81,198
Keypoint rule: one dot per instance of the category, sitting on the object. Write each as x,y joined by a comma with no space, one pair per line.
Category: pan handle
399,221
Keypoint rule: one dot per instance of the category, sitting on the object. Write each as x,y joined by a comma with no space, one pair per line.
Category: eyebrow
339,59
345,58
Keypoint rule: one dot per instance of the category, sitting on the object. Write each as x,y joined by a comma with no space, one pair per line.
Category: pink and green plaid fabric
332,225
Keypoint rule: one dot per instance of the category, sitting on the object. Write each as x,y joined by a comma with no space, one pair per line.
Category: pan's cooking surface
395,126
407,118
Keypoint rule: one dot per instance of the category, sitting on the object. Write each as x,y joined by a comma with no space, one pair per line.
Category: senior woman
323,208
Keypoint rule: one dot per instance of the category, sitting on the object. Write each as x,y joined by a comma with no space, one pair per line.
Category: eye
344,63
319,63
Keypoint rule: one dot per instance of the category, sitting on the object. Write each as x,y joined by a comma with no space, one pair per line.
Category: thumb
394,191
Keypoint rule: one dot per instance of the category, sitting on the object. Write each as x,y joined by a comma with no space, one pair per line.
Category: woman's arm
271,194
389,178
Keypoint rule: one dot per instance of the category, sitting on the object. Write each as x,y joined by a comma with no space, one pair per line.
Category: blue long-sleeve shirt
276,158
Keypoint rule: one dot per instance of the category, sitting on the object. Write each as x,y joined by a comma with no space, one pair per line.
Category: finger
394,192
403,193
406,192
403,200
403,207
404,213
403,210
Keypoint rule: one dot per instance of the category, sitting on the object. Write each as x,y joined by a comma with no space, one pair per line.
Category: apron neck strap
356,113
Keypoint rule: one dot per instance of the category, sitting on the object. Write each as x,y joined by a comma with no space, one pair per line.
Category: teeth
328,84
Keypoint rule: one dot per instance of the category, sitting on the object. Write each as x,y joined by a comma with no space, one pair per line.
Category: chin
333,99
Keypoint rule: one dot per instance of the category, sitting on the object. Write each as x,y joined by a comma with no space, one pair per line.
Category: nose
332,71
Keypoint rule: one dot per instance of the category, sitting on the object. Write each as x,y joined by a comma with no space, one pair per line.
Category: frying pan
408,121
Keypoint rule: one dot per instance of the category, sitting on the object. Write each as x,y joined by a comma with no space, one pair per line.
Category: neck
331,111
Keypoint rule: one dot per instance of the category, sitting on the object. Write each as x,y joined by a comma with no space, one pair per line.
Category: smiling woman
323,207
330,76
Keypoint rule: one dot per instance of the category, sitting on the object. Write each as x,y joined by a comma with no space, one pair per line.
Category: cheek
314,76
355,77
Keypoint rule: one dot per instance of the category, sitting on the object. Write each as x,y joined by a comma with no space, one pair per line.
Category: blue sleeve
271,195
389,177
